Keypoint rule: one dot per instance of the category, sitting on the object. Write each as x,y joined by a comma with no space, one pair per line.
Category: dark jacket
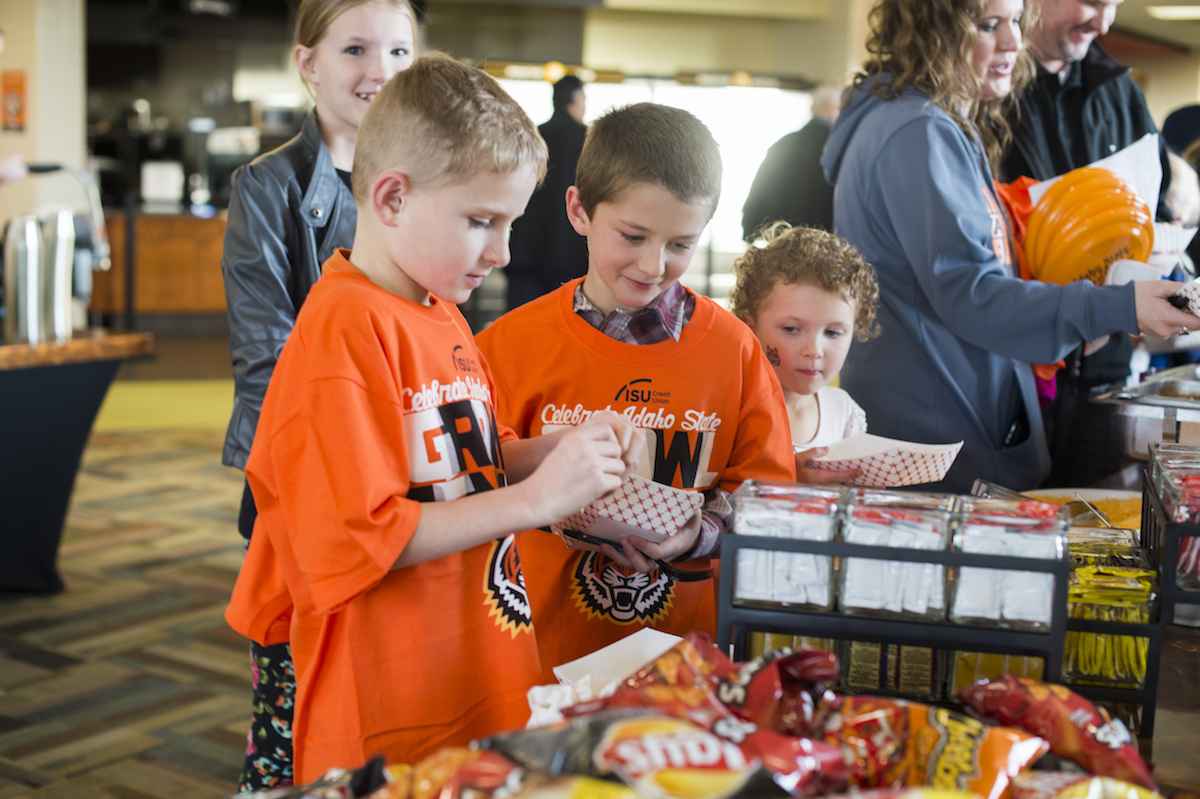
1061,126
288,212
1096,112
790,184
543,240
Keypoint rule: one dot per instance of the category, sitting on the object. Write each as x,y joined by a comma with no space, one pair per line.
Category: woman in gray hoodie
910,158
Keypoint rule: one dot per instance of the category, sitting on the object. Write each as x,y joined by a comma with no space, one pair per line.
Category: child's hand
640,554
809,474
584,465
631,440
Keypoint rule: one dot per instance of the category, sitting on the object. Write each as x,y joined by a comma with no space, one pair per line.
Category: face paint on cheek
773,356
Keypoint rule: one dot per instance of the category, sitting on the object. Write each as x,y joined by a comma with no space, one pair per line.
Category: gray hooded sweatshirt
914,194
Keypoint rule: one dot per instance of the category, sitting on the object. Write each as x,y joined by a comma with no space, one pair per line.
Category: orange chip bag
954,752
443,774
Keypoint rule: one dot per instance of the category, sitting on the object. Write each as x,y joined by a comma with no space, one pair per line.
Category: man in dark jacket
546,250
1082,106
790,184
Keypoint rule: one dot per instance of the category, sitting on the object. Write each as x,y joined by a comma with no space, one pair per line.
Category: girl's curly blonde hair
928,45
805,257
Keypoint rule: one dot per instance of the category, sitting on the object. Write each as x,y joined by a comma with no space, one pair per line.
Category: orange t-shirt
713,415
376,405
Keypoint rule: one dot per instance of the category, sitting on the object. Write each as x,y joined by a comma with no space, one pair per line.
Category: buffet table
49,397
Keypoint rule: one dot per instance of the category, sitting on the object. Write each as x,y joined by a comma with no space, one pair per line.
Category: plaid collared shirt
664,318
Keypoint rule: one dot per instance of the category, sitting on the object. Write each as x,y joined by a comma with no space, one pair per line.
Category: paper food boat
639,507
888,463
1192,292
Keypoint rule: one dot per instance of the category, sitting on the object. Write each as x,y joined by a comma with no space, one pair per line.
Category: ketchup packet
1073,726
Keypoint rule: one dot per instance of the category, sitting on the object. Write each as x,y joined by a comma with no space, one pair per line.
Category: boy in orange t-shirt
406,611
629,338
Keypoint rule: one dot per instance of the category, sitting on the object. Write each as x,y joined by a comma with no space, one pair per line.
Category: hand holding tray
639,507
887,462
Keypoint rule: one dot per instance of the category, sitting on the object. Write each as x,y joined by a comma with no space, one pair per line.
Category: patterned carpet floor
129,684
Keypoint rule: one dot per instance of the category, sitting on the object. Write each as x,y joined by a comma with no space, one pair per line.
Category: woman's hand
1157,317
809,474
1095,346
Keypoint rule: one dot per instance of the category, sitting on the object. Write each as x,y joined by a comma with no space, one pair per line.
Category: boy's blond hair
440,121
648,143
805,257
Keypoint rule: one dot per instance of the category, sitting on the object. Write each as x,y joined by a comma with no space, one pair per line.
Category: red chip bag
800,766
782,690
1074,728
872,733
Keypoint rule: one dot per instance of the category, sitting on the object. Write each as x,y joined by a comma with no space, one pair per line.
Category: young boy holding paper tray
629,338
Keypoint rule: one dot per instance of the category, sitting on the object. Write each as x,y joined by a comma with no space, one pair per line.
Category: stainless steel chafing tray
1172,395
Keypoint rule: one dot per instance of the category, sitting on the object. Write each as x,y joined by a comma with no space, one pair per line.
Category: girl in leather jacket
290,209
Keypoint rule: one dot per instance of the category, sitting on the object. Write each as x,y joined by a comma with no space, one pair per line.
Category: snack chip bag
595,743
1072,785
1075,729
894,743
953,752
872,733
660,756
572,788
782,690
903,793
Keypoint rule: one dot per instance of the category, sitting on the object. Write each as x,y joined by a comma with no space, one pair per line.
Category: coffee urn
23,281
40,265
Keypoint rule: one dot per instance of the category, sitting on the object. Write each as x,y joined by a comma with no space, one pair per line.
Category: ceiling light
1174,12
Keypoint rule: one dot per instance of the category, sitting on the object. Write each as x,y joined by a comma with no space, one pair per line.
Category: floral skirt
269,744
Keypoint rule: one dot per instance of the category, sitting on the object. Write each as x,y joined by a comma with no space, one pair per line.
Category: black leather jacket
288,212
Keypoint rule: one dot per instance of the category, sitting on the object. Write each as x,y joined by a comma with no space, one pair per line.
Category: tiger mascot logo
504,588
603,587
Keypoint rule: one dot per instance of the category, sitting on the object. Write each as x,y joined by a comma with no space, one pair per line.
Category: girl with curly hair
806,294
909,156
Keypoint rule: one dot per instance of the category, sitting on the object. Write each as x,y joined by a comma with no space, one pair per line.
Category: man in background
790,184
1082,106
546,250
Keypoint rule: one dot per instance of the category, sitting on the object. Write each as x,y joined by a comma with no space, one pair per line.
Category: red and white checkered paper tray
888,463
1192,292
639,507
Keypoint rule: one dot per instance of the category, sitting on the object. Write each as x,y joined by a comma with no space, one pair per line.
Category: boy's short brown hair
648,143
805,257
440,121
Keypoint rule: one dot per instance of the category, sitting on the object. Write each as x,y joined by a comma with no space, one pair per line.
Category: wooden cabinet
177,268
